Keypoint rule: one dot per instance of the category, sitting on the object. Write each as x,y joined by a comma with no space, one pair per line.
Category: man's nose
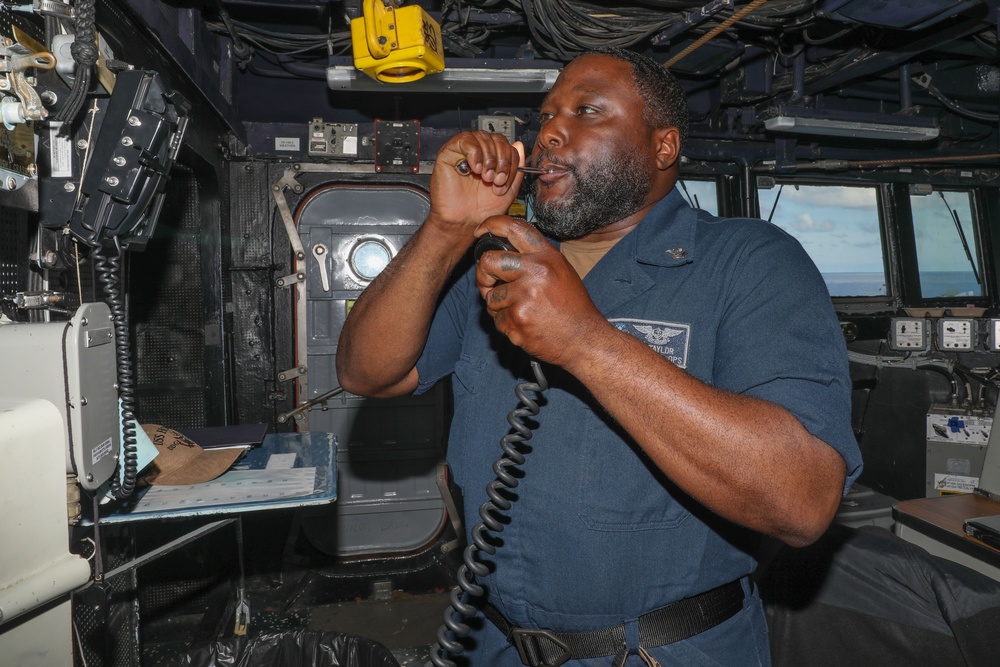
552,134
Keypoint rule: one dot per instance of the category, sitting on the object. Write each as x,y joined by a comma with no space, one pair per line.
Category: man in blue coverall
699,393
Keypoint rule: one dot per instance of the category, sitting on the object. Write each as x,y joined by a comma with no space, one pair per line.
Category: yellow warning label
517,209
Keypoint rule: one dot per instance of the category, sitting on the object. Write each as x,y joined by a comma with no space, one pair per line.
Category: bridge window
700,194
838,225
946,243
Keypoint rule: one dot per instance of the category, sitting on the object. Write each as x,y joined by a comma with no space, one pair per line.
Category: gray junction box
956,447
72,365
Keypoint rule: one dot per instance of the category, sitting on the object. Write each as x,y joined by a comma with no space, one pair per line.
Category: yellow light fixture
394,44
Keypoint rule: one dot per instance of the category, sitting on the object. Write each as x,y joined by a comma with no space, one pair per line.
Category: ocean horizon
933,284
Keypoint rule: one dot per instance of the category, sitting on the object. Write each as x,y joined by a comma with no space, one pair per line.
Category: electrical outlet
956,335
908,333
334,140
497,124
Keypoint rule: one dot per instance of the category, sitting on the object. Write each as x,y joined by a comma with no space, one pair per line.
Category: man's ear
668,147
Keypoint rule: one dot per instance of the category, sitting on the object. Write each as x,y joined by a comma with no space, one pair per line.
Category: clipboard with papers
287,470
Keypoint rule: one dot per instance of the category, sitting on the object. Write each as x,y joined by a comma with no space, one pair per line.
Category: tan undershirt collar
583,255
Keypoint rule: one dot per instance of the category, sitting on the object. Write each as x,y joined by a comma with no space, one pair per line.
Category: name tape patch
669,339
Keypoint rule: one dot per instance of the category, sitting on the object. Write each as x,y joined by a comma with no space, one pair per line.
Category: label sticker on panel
286,143
954,483
101,451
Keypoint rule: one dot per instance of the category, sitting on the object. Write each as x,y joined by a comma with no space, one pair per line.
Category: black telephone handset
489,242
491,511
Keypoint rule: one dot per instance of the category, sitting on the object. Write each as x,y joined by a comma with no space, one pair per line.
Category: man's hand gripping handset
532,293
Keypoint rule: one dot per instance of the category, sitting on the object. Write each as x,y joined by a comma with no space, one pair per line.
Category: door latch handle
319,252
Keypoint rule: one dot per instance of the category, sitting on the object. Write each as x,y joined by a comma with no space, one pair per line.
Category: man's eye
545,116
585,109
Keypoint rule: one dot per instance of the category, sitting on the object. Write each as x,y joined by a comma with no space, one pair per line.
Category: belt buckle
527,642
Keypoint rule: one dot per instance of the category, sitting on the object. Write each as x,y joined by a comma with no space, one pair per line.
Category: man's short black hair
666,104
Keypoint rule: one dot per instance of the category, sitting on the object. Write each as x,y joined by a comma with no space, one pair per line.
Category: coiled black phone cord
489,512
109,271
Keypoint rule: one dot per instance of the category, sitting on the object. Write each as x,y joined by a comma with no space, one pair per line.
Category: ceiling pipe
713,32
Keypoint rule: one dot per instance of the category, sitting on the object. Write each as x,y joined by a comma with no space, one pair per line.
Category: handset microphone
488,242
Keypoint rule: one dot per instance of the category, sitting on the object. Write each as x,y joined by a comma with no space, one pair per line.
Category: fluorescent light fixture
453,80
889,130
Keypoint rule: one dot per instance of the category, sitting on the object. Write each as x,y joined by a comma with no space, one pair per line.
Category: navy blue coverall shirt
598,535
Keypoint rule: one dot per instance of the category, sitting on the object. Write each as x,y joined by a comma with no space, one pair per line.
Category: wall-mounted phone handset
490,511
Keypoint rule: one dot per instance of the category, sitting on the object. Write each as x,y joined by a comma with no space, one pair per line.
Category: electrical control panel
948,424
956,334
397,146
332,140
993,334
908,333
497,124
956,448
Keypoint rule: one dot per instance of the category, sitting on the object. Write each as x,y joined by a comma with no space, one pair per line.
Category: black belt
679,620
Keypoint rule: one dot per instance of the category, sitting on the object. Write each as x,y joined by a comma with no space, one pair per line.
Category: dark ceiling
931,65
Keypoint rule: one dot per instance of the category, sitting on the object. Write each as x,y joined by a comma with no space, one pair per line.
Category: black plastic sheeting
295,648
866,597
